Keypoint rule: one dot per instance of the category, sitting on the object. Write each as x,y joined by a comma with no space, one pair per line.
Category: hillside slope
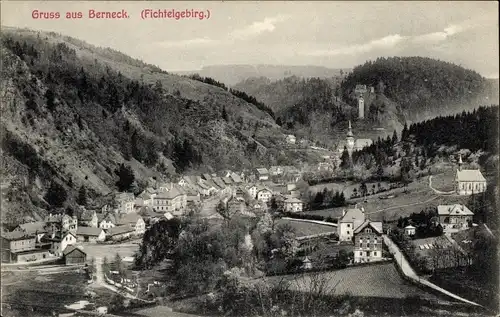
72,113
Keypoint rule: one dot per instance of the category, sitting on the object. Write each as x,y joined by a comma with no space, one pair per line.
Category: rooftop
120,230
454,210
71,248
88,231
470,176
33,227
15,235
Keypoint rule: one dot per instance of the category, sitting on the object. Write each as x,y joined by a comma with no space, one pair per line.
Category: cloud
256,28
189,42
385,42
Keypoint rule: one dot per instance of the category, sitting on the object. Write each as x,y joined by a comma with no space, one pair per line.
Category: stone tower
361,108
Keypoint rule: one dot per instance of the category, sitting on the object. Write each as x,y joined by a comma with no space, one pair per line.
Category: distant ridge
232,74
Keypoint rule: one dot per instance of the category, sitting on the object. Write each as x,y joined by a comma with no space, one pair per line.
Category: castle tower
350,139
361,108
460,162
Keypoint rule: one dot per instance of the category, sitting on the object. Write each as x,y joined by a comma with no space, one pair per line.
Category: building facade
368,242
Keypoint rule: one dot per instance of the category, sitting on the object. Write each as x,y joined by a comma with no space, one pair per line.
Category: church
468,182
351,143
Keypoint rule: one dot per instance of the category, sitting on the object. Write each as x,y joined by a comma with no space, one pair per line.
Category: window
348,232
348,225
368,230
368,245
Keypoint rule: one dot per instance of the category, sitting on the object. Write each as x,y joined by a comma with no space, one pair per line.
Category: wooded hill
72,113
422,87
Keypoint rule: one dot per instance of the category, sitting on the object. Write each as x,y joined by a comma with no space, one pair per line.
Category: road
410,273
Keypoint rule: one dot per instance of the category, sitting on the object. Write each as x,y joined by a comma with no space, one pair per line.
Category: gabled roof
470,176
207,176
410,227
219,182
377,226
71,248
353,214
262,170
454,210
15,235
119,230
33,227
171,194
227,180
88,231
130,218
125,196
292,200
236,178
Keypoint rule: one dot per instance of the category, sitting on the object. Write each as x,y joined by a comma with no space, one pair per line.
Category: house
69,223
74,255
252,191
236,179
239,193
206,176
106,221
224,189
468,182
368,242
15,243
133,220
90,234
38,229
149,215
88,218
455,216
276,170
410,230
264,195
227,180
125,202
120,233
350,220
145,198
203,189
262,174
293,205
290,139
59,241
192,196
171,200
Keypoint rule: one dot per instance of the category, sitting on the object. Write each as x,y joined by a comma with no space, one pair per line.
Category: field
417,197
45,292
444,181
306,228
126,249
379,280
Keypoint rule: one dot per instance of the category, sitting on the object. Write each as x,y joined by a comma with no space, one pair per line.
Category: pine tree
82,196
224,114
56,195
394,137
345,159
126,178
404,133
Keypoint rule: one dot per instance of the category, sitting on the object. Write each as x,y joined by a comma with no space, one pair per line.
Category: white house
252,191
59,242
262,174
368,242
125,202
350,220
108,221
264,195
291,139
133,220
90,234
294,205
410,230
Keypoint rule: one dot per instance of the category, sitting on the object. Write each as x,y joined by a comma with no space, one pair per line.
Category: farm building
90,234
120,233
74,255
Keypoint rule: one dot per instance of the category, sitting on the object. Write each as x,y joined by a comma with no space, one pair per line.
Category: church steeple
460,162
349,132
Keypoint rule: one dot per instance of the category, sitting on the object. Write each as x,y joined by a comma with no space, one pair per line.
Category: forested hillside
423,87
72,114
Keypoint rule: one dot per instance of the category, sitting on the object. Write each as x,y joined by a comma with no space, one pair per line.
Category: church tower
361,108
350,139
460,162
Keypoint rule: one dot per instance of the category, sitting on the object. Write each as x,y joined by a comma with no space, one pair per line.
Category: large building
455,217
468,182
368,242
361,108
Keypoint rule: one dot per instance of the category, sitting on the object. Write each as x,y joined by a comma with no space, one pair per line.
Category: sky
330,34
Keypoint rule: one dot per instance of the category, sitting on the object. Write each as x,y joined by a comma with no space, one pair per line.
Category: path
319,222
410,273
438,191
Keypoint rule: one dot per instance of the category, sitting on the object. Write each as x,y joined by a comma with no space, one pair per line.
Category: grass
444,181
306,228
378,280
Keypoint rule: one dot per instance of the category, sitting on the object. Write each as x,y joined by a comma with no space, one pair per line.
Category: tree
345,159
224,114
363,189
56,195
224,210
82,196
394,137
126,178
